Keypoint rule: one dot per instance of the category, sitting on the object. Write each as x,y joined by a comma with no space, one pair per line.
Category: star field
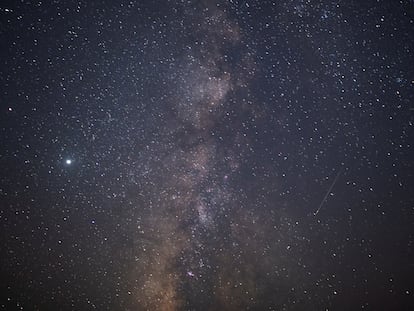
206,155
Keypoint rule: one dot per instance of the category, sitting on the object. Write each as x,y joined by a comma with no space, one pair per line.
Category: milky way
206,155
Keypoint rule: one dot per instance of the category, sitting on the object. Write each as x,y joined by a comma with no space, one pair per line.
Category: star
205,155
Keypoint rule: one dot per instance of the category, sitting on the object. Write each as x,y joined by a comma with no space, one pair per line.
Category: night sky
207,155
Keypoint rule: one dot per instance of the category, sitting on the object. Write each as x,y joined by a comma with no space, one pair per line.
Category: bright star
68,161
